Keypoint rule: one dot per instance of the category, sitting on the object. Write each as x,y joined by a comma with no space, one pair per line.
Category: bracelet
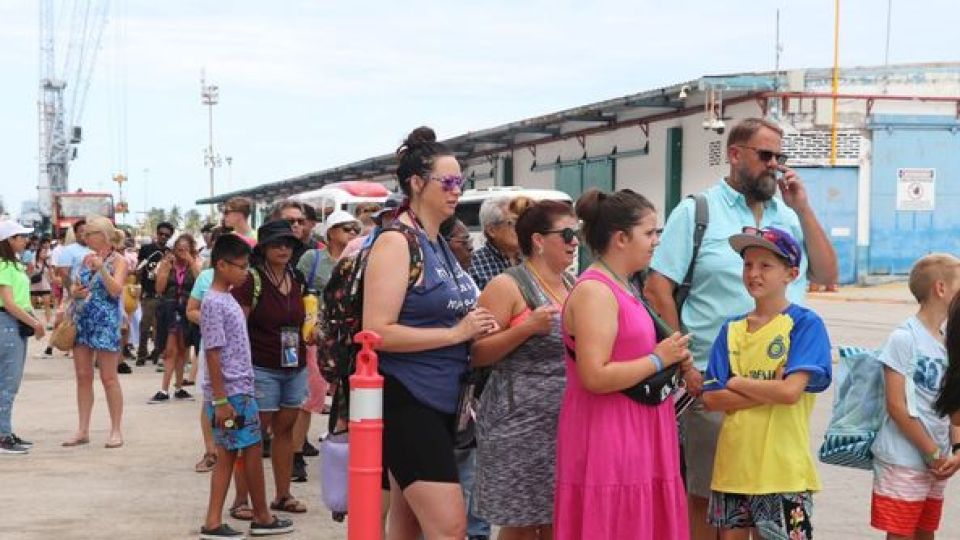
932,456
220,402
657,362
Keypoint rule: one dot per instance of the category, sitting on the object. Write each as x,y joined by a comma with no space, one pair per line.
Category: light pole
121,207
210,96
229,161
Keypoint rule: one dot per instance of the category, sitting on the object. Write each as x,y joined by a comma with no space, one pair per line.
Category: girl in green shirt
16,324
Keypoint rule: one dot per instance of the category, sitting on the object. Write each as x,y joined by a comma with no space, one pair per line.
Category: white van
344,195
468,209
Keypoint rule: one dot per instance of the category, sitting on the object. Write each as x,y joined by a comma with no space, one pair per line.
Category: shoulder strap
313,268
528,289
413,245
257,287
701,220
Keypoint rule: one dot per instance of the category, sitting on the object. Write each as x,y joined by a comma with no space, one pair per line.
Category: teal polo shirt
717,291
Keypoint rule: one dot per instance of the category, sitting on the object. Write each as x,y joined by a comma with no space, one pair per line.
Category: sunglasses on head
450,182
567,233
766,155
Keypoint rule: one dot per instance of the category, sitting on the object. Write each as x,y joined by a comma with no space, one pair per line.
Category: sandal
76,441
288,504
206,463
241,512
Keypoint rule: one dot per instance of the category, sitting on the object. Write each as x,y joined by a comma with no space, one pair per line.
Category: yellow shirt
766,449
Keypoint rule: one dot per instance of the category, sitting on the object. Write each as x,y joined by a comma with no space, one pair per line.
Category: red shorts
905,500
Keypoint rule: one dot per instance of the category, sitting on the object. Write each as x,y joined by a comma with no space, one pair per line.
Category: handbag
25,329
64,336
656,388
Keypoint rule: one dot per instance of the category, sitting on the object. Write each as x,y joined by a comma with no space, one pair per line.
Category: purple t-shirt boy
224,327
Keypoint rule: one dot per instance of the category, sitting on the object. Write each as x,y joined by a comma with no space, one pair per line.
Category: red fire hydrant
365,437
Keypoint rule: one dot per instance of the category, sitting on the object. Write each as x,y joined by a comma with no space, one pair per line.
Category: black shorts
417,439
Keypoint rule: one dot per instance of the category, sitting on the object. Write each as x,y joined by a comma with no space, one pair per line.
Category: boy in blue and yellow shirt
764,369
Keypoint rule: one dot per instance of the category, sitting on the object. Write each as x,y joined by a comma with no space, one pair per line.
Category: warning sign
915,189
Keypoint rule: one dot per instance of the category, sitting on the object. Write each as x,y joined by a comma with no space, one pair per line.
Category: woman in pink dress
618,465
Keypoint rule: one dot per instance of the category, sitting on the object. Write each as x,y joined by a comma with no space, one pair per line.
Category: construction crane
63,92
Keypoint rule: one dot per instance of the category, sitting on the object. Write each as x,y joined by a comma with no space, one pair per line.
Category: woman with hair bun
426,315
517,416
96,291
618,465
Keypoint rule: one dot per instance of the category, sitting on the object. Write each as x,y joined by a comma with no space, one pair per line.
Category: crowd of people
516,394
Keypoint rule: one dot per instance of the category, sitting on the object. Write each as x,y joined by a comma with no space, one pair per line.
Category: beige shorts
701,429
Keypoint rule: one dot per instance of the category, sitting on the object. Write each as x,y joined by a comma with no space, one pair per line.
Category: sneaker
299,471
223,531
9,446
182,394
159,397
21,442
128,352
310,450
123,368
279,526
48,351
159,369
140,362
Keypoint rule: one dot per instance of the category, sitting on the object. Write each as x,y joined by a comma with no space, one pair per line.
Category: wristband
220,402
932,456
956,448
657,362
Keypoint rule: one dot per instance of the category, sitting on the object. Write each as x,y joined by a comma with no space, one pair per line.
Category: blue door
833,196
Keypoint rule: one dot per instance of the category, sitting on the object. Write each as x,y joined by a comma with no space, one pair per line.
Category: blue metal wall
897,239
833,195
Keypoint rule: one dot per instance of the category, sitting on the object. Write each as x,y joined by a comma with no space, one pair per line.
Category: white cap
338,217
10,228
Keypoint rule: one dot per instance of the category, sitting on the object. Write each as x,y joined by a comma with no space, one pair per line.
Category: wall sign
915,189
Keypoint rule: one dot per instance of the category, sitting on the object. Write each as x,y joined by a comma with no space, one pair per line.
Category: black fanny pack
656,388
24,329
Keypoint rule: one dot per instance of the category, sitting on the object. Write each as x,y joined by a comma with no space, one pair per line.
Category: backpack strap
701,219
532,294
257,287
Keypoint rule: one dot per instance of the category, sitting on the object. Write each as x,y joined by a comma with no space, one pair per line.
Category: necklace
626,285
553,294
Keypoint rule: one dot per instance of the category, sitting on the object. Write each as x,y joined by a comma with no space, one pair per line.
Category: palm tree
192,221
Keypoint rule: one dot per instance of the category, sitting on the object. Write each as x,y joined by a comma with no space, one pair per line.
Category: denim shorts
241,437
280,388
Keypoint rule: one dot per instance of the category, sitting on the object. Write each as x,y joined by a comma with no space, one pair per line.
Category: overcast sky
307,85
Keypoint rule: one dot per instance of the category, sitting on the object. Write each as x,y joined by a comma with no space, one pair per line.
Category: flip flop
76,442
113,444
241,512
288,504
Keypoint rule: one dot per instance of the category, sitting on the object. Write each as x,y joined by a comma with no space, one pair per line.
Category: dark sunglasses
355,229
296,221
450,182
766,155
567,233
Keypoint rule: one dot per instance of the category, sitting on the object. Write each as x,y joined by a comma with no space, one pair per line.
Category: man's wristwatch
955,449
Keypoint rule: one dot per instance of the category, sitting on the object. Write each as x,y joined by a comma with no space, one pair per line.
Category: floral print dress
98,317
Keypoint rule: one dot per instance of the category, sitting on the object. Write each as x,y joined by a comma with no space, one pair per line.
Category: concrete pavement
148,490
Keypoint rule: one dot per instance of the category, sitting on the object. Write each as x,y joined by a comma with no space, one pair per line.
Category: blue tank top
441,300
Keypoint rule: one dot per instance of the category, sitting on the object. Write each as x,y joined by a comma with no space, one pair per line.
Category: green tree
192,221
153,218
175,217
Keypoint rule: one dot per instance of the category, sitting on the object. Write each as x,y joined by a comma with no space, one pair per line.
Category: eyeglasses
296,221
766,155
465,239
568,234
355,229
244,266
450,182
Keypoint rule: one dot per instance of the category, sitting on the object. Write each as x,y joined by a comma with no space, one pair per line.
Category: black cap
273,232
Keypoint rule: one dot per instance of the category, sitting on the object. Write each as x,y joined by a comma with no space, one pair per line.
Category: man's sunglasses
296,221
450,182
355,229
766,155
567,233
